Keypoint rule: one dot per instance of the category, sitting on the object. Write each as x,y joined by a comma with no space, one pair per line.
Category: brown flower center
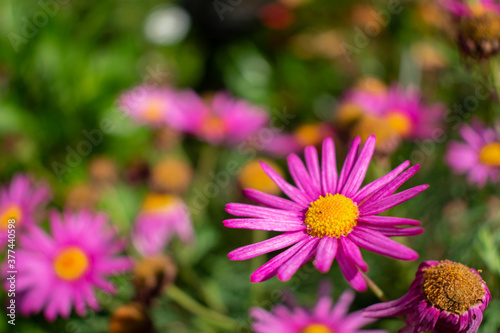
452,287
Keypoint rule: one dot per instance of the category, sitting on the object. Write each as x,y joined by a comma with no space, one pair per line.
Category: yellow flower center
483,26
399,122
490,154
387,137
317,328
331,215
308,134
154,110
252,176
11,212
348,113
213,126
372,85
71,264
156,202
452,287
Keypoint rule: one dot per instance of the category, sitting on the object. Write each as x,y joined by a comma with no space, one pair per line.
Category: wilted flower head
162,216
223,119
59,272
479,26
445,297
328,215
325,317
21,200
478,156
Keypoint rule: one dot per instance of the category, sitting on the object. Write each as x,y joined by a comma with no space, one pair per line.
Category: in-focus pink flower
59,272
155,106
329,216
21,200
225,120
162,217
325,317
478,156
445,297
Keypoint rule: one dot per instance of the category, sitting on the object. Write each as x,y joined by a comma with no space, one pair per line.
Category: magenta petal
288,269
301,177
358,172
270,200
376,242
389,202
350,271
311,155
268,270
394,232
376,185
244,210
264,224
348,163
352,250
291,191
276,243
393,308
386,221
329,167
325,253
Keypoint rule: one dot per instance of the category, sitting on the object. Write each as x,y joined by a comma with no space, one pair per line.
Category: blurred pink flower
478,156
21,200
329,216
459,8
325,317
162,217
59,272
155,106
225,120
444,297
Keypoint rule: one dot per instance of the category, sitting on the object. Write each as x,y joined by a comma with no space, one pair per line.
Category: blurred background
64,65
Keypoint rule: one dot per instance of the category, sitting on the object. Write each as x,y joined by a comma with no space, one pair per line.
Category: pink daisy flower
328,216
224,120
21,200
445,297
478,156
325,317
59,272
162,217
152,105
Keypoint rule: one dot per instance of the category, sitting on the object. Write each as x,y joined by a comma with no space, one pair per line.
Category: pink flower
59,272
21,201
461,9
444,297
478,156
152,105
329,216
325,317
225,120
161,218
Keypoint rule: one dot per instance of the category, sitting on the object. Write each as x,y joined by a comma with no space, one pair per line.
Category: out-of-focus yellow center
10,212
372,85
490,154
477,8
155,202
331,215
252,176
317,328
452,287
348,113
308,134
213,126
154,110
387,138
399,122
71,264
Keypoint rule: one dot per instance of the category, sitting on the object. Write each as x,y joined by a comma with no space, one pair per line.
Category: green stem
188,303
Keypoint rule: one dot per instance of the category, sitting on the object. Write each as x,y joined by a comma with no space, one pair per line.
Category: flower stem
188,303
374,288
